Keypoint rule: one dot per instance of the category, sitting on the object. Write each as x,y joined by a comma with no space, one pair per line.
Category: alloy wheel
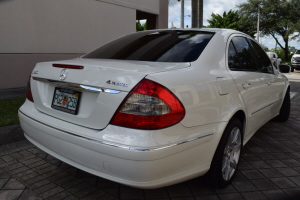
231,153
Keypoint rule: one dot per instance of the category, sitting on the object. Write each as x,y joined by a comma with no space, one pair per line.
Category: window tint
243,58
160,46
233,59
263,62
297,52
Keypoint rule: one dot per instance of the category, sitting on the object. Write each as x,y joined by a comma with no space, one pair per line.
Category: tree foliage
231,20
228,20
278,18
281,53
141,27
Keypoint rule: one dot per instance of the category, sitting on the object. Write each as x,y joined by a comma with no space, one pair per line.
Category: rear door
250,81
275,83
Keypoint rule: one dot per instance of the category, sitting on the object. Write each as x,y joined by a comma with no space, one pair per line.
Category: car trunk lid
101,86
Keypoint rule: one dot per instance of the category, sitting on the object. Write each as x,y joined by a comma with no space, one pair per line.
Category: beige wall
150,6
44,29
163,14
61,26
16,68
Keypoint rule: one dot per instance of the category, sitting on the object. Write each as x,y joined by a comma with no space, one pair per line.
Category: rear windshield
159,46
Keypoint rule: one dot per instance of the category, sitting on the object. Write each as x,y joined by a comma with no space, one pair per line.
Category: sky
217,7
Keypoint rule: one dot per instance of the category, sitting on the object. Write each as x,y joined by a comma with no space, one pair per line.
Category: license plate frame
66,100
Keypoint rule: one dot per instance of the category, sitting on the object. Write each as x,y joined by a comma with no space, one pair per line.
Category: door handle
270,83
246,85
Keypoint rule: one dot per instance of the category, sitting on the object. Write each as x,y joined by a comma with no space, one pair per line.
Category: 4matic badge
117,83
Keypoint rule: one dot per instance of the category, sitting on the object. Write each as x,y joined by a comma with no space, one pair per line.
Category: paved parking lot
269,169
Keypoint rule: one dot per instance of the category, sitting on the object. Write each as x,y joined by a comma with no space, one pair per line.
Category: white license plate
66,100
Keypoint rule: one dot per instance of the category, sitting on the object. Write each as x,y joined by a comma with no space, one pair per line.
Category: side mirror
284,68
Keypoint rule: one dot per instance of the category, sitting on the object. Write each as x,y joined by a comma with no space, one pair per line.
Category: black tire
292,69
284,112
220,160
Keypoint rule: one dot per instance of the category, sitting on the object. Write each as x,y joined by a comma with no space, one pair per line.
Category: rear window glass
160,46
244,55
263,62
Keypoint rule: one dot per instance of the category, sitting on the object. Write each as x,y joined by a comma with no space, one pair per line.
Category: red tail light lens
149,106
28,91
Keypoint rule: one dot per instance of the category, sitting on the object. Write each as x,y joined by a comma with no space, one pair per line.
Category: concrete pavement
269,169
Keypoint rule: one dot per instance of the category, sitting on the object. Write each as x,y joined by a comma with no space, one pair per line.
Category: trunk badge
117,83
63,74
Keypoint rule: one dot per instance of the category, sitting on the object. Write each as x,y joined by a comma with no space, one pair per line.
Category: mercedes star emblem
63,74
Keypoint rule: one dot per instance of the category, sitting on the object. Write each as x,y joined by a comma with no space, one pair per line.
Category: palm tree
197,13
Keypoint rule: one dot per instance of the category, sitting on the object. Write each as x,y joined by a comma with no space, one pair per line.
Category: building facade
39,30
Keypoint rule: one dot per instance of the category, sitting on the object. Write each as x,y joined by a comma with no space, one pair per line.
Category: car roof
199,29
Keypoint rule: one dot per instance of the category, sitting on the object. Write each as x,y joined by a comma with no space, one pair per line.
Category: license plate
66,100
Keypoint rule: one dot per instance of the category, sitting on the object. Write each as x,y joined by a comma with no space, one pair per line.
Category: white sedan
157,107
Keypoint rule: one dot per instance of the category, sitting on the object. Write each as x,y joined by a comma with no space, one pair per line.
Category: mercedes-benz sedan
157,107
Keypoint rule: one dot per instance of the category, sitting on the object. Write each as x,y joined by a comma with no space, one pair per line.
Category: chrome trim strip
171,145
111,91
121,146
265,107
93,89
76,86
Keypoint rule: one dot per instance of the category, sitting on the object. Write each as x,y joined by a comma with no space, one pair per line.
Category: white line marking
292,94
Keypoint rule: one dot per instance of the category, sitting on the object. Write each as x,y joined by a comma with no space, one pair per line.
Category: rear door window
240,55
264,64
233,59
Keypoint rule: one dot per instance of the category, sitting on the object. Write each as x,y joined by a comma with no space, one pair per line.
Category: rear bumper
142,167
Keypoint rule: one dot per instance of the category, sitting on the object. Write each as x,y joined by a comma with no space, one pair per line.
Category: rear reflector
28,91
68,66
149,106
29,95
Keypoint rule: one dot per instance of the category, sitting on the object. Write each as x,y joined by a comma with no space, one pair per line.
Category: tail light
149,106
28,91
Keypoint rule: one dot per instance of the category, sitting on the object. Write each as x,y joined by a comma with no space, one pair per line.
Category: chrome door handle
269,83
246,85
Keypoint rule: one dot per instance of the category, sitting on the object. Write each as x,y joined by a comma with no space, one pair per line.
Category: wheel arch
241,115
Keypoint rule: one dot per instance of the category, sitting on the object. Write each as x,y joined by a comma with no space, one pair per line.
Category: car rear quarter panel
197,86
